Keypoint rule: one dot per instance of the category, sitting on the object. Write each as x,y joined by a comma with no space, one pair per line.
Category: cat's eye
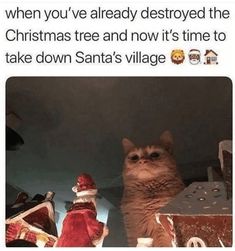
154,155
134,157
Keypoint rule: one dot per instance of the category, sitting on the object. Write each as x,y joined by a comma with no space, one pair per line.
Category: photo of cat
149,143
151,180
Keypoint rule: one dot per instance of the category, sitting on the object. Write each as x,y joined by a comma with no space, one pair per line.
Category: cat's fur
150,181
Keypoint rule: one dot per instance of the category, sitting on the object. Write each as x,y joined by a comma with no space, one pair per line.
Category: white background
225,49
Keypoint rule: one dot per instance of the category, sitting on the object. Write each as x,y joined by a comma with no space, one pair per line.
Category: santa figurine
80,226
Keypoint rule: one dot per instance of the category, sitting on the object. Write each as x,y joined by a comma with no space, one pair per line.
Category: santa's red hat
85,186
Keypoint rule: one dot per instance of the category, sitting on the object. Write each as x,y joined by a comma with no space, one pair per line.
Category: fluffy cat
150,181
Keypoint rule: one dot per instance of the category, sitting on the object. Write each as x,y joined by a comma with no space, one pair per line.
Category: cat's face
148,162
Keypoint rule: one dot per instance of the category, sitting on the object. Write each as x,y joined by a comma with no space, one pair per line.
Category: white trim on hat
91,192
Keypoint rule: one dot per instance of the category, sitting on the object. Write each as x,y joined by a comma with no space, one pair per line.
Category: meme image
119,161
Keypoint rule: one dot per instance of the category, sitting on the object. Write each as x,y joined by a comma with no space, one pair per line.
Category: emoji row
194,56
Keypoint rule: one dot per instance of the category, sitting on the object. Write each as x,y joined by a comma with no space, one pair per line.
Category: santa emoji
80,226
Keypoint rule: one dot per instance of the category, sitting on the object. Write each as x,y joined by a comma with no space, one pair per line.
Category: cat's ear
127,145
166,140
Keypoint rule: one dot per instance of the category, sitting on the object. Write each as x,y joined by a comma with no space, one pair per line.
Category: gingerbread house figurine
200,216
80,226
31,223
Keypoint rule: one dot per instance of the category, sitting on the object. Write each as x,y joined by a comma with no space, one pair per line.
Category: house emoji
210,57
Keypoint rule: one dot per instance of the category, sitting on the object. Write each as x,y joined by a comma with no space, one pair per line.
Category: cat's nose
143,161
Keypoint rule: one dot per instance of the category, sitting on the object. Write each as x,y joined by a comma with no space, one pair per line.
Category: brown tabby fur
150,181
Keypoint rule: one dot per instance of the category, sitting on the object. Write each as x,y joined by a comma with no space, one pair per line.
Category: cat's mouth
147,166
145,174
149,171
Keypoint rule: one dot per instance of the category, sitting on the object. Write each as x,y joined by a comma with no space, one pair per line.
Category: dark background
74,125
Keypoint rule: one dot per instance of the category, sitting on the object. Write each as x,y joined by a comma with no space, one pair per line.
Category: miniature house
200,216
31,223
210,57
